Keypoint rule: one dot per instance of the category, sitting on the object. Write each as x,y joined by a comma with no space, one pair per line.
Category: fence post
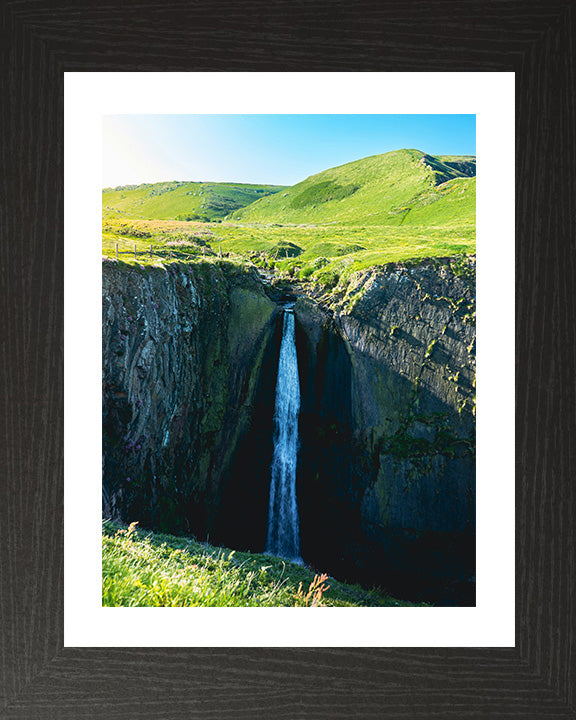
203,250
150,250
135,258
220,251
116,251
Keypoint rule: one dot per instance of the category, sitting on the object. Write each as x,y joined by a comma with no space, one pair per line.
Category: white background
89,96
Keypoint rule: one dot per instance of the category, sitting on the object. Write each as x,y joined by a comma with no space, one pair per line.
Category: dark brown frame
40,39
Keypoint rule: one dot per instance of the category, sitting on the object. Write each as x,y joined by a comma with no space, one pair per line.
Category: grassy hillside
323,255
403,187
149,569
177,239
181,200
401,206
328,255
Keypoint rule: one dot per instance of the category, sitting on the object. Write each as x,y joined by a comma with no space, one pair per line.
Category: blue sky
275,149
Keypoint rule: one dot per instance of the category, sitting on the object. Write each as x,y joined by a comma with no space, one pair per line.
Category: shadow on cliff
243,512
338,467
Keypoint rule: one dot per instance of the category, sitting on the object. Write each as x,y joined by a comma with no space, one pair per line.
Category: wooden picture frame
39,678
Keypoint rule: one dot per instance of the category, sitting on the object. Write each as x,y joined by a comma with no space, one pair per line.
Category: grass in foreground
151,569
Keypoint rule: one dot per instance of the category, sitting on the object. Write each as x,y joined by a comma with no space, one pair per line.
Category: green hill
403,187
199,201
149,569
397,207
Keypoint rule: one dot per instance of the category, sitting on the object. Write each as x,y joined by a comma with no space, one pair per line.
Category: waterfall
283,527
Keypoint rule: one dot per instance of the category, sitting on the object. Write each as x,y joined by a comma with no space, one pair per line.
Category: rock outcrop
183,347
387,484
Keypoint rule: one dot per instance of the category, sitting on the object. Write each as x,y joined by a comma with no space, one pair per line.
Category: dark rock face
243,515
387,467
182,355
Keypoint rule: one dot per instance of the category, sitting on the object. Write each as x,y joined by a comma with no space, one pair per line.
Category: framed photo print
287,349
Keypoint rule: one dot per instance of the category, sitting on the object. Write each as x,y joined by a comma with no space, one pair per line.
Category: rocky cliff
386,473
387,481
183,347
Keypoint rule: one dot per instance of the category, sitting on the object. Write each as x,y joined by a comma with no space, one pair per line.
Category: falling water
283,529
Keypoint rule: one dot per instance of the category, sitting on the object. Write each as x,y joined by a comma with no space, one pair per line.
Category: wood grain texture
38,678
